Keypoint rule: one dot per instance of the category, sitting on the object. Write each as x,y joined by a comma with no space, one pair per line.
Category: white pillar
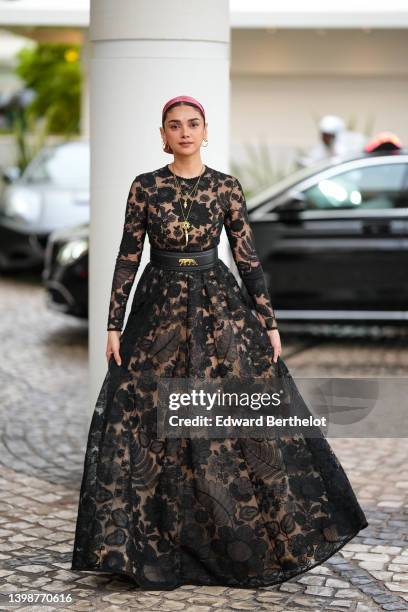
142,54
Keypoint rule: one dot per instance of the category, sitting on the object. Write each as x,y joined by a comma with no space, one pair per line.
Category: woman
171,511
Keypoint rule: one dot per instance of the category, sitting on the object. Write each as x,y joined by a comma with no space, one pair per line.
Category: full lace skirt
242,512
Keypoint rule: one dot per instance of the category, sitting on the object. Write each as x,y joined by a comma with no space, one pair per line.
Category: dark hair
179,103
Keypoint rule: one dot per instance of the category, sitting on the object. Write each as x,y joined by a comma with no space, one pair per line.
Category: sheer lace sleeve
242,243
129,255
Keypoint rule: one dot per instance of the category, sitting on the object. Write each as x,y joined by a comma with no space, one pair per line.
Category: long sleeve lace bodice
243,248
153,207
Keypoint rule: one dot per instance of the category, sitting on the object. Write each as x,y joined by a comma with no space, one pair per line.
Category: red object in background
384,141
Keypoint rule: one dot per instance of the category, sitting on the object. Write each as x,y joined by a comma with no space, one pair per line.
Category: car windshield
65,166
292,179
379,186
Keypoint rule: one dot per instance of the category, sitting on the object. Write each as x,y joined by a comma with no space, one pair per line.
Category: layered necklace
184,201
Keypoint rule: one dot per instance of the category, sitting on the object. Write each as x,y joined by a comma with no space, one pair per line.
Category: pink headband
183,99
190,99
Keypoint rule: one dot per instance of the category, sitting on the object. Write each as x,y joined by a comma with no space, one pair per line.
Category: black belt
179,260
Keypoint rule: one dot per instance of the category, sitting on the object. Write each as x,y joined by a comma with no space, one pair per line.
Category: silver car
52,193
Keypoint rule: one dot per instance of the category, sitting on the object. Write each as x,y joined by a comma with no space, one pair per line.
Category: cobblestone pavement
43,428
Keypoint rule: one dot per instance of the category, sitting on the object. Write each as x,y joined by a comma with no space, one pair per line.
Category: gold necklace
186,224
194,187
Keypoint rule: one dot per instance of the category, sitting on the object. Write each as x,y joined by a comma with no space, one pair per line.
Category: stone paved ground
43,427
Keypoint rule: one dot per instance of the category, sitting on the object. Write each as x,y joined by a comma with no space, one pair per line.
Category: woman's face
184,129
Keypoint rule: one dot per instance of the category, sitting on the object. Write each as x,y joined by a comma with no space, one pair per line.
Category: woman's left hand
276,343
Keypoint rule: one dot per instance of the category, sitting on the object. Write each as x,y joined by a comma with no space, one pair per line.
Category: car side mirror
295,203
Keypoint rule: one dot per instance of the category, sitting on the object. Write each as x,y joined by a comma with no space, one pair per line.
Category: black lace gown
234,511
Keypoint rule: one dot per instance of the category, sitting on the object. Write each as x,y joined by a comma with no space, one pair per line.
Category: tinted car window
66,166
377,186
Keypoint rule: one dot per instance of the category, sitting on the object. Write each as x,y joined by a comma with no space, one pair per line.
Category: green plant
260,170
53,73
26,147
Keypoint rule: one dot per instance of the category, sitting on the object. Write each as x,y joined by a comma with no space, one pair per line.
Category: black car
333,240
65,273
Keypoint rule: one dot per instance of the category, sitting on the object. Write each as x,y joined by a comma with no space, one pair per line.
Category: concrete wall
283,80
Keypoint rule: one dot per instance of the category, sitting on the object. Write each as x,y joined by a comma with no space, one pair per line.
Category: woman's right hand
113,346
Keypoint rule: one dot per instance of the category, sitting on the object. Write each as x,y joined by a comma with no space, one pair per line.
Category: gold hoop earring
204,140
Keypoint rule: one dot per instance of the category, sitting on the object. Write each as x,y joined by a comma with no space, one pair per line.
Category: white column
142,54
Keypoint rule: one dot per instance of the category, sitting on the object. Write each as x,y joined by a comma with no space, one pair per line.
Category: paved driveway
45,415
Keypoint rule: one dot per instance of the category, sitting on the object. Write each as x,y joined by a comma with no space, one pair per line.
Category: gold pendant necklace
185,223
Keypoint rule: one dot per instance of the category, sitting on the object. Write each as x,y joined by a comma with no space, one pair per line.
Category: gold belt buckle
187,261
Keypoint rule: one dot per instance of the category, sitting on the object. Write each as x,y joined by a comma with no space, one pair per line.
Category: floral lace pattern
241,512
152,207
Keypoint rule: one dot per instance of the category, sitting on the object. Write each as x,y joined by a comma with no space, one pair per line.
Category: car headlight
23,205
71,251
